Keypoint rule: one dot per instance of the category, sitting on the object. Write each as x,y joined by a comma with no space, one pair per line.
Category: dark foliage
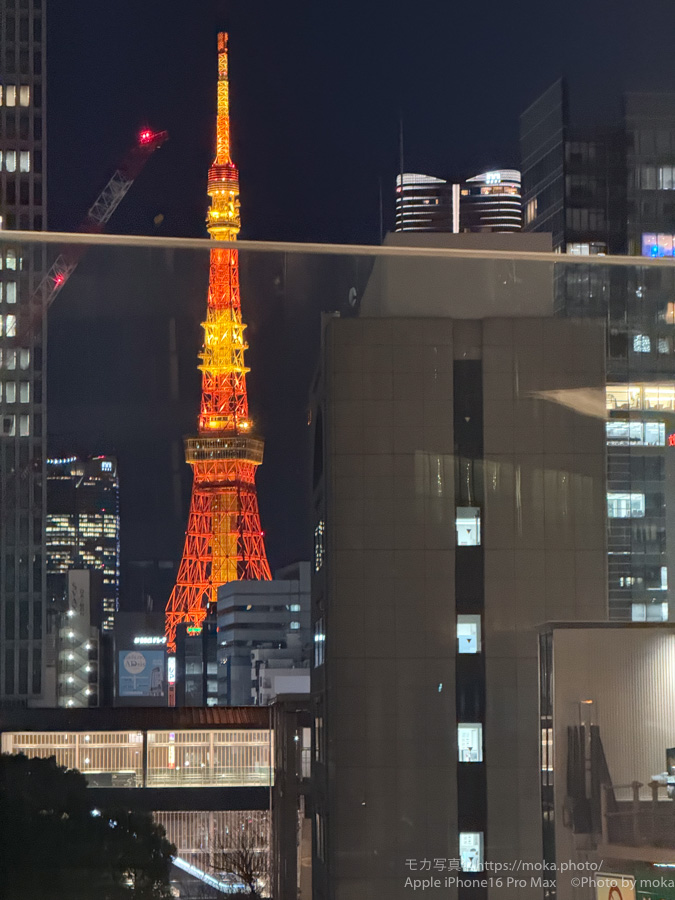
54,848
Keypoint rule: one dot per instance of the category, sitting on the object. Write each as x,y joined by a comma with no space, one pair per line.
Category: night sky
317,92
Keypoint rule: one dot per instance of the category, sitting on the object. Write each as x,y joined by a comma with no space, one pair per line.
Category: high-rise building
489,202
22,357
426,203
608,189
83,529
457,505
224,541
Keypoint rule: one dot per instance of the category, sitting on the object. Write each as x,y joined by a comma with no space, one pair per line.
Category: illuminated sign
150,639
193,629
141,673
171,669
671,440
493,178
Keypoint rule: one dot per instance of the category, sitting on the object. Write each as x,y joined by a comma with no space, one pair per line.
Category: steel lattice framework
224,541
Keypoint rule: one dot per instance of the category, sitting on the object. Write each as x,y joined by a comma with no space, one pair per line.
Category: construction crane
95,221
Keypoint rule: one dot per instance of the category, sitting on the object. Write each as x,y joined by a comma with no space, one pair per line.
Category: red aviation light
59,279
145,137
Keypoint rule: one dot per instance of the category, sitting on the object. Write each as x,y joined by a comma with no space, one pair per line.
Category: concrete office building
261,615
459,503
609,189
23,430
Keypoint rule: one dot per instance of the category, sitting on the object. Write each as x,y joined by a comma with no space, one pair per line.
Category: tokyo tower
224,541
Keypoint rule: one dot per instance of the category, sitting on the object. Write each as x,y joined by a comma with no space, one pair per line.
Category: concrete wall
387,587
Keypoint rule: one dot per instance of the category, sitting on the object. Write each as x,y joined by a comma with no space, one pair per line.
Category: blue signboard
141,673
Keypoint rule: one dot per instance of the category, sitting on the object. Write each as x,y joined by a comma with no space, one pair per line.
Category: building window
319,642
24,161
24,95
318,739
24,426
625,505
320,836
657,244
10,95
649,612
9,426
294,607
467,524
10,292
531,211
471,851
319,546
295,626
470,742
468,634
666,178
10,392
641,343
664,345
640,433
10,160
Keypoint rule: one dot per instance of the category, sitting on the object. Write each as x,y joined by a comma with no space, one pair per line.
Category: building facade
23,196
604,190
489,202
268,617
83,528
457,504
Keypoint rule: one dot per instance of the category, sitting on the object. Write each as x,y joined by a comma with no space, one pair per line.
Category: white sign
134,663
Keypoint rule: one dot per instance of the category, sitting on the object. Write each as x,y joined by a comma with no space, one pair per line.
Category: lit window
24,392
24,95
10,392
10,292
657,244
10,356
10,95
319,642
468,634
467,524
295,626
471,851
579,249
666,178
10,160
625,505
639,433
294,607
664,345
470,742
649,612
641,343
319,547
24,161
24,359
10,259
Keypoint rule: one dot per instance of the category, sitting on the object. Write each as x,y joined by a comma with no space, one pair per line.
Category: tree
244,859
56,845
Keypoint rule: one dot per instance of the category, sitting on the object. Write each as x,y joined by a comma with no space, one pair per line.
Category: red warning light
59,279
145,137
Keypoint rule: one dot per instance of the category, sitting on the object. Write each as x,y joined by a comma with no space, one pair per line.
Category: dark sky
317,92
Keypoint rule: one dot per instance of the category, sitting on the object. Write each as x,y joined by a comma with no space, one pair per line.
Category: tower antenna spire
224,541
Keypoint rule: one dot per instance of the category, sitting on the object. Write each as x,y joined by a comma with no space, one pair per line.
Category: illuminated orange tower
224,541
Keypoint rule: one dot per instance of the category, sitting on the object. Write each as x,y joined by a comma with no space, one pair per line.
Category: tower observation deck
224,541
